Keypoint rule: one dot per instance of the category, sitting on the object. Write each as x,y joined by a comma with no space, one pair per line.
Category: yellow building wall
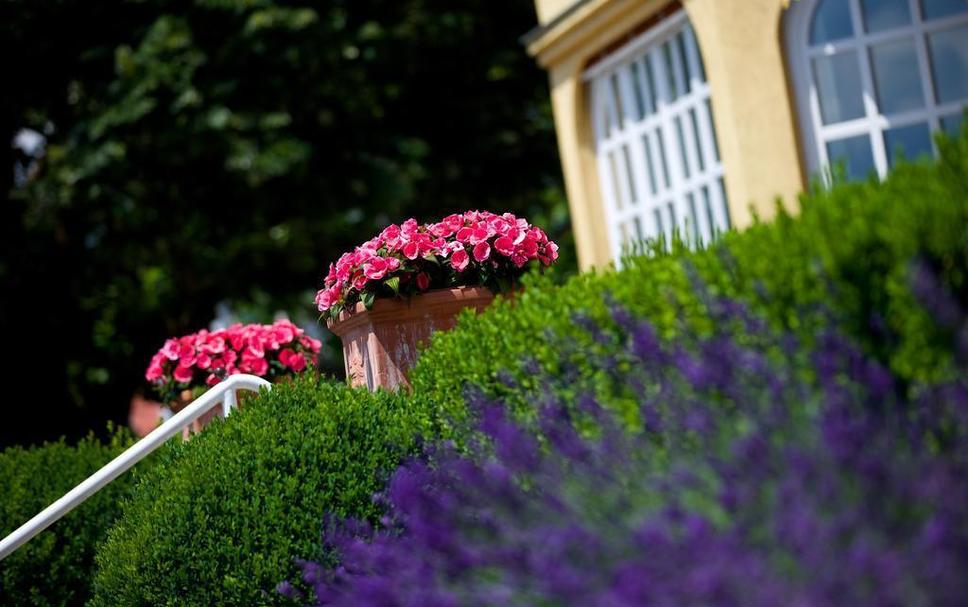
741,44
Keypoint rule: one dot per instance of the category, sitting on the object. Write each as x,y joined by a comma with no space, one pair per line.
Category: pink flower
311,343
283,332
297,363
423,281
183,374
529,248
214,345
212,379
441,230
170,349
459,259
519,260
504,246
325,299
482,251
375,269
411,250
203,361
155,369
286,355
359,282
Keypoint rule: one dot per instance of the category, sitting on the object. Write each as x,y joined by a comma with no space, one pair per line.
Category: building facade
694,116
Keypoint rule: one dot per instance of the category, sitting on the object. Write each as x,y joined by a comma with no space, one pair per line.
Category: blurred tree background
169,156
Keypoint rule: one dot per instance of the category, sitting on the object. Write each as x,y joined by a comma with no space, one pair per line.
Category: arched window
655,145
874,78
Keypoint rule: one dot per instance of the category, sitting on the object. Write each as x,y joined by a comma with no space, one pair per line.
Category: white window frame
800,54
692,197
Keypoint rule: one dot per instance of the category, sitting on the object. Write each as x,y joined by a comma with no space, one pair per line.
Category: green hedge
55,567
850,250
220,518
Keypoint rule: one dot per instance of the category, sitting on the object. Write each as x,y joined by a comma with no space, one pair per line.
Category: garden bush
55,567
220,518
767,473
850,249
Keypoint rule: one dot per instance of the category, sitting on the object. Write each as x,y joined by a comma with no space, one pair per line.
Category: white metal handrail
224,392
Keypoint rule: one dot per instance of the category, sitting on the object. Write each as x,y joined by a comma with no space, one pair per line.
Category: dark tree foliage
226,150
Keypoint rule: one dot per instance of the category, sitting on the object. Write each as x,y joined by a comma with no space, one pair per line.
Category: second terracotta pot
380,344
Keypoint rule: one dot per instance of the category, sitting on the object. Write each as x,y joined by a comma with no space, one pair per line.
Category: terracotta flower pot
380,344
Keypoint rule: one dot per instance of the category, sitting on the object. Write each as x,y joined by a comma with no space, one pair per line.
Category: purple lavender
757,473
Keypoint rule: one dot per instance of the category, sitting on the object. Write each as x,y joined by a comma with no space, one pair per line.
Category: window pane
684,61
670,72
616,190
617,96
831,21
949,63
933,9
952,124
854,153
897,77
839,87
629,174
909,142
684,156
650,81
653,184
882,15
637,90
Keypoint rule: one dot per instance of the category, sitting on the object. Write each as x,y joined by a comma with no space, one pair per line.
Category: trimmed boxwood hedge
220,518
55,567
851,250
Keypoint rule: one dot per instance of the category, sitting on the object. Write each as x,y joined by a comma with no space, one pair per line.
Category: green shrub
221,518
850,250
55,567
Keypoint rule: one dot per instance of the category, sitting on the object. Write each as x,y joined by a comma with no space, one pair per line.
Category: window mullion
927,79
870,95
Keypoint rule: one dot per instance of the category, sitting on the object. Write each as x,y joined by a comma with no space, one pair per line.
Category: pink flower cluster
411,258
265,350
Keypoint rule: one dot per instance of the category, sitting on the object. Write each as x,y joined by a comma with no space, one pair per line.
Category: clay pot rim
393,308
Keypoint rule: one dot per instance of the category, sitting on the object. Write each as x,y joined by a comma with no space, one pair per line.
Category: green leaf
367,298
393,283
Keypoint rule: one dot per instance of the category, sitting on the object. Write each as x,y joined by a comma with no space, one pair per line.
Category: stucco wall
741,44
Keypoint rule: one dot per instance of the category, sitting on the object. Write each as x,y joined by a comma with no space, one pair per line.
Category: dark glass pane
629,174
882,15
949,63
952,124
831,21
934,9
684,61
653,184
897,76
637,89
682,148
909,142
839,87
855,154
670,72
617,96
